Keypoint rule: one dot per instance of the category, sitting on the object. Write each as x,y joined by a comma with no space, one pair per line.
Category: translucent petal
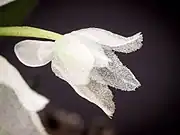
111,40
98,94
14,118
34,53
74,58
10,76
115,75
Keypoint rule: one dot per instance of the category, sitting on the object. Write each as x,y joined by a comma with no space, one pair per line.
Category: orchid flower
19,104
85,59
4,2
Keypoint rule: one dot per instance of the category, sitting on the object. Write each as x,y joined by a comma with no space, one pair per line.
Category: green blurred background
16,12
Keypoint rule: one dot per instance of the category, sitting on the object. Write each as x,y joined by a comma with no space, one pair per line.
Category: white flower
86,60
4,2
19,104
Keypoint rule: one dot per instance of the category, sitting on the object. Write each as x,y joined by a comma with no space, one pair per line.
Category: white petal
4,2
37,122
115,75
14,118
111,40
18,103
34,53
74,58
98,94
101,60
10,76
57,68
94,92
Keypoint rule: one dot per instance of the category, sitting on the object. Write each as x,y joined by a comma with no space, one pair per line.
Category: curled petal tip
131,44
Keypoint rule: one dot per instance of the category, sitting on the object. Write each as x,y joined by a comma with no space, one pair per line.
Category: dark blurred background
154,108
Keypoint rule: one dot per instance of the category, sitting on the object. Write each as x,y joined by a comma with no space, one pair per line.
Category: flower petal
115,75
10,76
18,103
101,60
37,122
14,118
111,40
98,94
34,53
56,67
74,58
4,2
94,92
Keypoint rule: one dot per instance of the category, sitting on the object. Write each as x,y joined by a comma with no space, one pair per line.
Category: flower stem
25,31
